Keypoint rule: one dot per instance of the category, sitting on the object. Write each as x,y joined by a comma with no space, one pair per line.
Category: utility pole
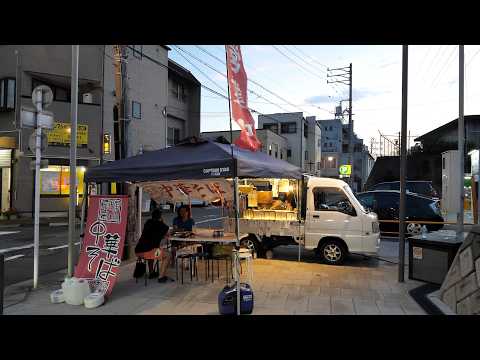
344,76
403,166
73,157
461,140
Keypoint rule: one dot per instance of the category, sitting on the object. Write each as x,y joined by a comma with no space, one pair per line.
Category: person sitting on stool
155,236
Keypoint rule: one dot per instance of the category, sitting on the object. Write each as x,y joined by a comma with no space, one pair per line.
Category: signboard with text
102,246
205,190
60,135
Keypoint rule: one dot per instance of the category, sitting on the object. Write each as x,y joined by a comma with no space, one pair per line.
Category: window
271,127
330,199
173,136
136,110
107,144
331,145
7,94
281,154
289,128
59,93
330,128
270,150
325,145
55,180
306,155
305,130
275,147
289,153
319,165
137,51
443,163
326,129
367,200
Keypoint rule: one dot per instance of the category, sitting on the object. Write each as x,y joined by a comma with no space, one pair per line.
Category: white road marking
208,220
2,251
8,232
14,257
61,246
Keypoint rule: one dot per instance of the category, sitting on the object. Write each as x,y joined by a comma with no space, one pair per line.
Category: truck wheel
332,252
253,245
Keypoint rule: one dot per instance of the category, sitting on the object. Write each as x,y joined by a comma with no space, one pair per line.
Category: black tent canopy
194,158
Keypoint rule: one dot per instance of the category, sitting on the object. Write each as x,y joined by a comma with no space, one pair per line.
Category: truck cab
335,222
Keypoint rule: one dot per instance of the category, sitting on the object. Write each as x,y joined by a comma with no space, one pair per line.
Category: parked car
418,187
386,204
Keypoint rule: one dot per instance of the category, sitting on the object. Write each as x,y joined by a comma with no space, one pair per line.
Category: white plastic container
94,300
75,290
57,297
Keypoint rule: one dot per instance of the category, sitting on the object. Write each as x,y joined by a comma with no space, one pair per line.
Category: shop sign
60,135
181,191
102,247
345,170
417,253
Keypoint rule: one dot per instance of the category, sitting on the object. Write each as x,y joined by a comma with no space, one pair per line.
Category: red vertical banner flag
103,242
237,80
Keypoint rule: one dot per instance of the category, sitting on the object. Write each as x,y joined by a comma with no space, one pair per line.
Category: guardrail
418,222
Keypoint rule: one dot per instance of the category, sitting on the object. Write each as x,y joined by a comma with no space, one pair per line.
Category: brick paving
281,286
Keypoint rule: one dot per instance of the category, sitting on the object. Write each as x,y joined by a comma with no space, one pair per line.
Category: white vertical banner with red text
103,243
237,80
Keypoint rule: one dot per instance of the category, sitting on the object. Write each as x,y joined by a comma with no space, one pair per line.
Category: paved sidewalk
281,286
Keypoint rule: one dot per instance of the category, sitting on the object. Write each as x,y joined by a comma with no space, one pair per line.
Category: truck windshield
353,198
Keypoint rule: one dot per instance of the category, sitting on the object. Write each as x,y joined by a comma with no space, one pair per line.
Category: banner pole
235,188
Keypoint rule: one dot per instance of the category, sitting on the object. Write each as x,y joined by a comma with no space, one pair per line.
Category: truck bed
267,227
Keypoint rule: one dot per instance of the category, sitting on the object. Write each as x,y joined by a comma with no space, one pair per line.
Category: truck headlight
375,227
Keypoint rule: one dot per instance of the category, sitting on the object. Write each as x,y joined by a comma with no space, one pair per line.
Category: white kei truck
329,220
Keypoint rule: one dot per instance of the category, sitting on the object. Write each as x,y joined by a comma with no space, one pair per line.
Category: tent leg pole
237,233
86,193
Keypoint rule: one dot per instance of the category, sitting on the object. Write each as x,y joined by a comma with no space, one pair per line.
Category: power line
158,63
211,80
312,66
445,65
295,62
313,59
473,57
225,76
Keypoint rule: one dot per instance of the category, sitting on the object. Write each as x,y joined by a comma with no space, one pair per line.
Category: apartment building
151,108
272,144
303,136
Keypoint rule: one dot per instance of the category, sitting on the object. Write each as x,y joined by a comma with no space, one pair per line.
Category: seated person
184,220
155,236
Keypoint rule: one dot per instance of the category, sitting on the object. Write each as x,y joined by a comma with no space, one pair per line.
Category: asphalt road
17,245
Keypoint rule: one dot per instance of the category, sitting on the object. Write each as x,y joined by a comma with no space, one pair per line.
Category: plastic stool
246,255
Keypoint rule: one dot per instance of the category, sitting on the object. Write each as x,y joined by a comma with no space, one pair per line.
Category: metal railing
418,222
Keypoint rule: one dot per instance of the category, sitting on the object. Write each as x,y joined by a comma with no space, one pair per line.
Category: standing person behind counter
184,220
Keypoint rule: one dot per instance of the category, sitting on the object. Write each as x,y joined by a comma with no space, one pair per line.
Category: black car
386,204
418,187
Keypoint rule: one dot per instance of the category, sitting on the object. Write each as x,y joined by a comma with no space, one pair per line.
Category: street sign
32,142
47,96
30,118
345,170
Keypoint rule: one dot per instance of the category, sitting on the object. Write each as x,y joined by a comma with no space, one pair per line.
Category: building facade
302,134
272,144
145,77
331,147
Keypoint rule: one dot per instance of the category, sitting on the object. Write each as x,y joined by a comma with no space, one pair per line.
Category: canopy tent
194,158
